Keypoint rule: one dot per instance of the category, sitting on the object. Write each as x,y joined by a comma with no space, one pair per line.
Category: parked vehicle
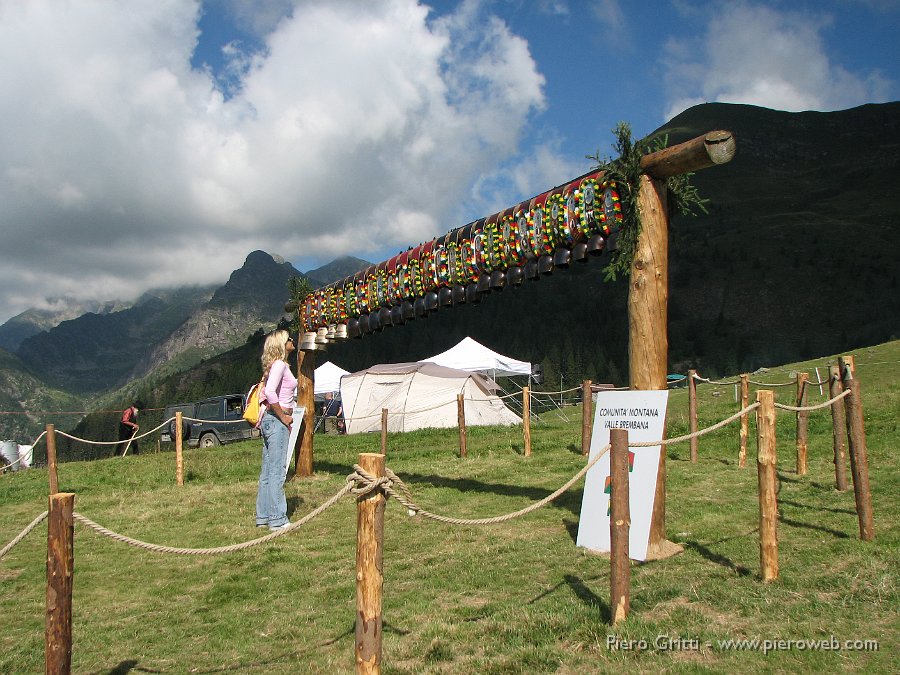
221,421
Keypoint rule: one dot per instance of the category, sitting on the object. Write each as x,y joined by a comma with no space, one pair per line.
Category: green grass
517,597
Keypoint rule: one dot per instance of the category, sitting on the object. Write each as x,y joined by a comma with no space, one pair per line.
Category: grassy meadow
516,597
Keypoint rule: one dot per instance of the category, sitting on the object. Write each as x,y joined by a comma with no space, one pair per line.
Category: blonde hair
274,349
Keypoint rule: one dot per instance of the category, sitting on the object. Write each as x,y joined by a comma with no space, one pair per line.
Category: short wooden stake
526,420
745,420
384,425
586,415
306,397
461,420
692,413
369,569
838,428
619,527
60,565
51,459
859,456
802,423
766,468
179,449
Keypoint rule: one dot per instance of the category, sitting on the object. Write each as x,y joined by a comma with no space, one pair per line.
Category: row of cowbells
409,310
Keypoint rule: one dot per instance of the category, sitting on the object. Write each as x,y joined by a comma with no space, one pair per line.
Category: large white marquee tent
419,395
327,378
472,356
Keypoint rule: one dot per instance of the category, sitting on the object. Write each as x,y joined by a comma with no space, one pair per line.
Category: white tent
327,378
474,357
418,395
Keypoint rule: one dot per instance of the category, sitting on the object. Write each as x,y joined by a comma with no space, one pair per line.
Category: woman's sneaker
277,528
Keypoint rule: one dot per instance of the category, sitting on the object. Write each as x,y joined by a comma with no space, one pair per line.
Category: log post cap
710,149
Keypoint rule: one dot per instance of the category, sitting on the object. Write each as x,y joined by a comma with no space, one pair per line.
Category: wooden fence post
51,459
526,420
461,420
802,423
619,527
838,428
60,564
859,456
179,451
369,569
766,468
586,415
306,397
384,425
692,413
745,420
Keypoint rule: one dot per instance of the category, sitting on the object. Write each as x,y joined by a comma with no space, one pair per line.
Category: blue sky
155,143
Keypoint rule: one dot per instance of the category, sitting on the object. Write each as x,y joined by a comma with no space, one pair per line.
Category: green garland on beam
626,170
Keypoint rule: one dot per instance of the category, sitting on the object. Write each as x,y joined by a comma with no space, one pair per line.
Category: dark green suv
219,422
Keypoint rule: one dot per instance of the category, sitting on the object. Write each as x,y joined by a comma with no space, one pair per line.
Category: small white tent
418,395
327,378
474,357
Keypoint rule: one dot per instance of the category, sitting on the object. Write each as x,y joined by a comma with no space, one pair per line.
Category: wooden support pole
838,428
766,473
859,455
802,423
715,147
461,419
692,414
526,420
648,341
369,569
384,425
51,459
179,448
586,417
60,565
745,420
619,527
303,453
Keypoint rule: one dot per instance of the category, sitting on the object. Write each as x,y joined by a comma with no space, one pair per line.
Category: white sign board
643,414
297,414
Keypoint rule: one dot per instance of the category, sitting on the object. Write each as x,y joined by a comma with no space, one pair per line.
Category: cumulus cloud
761,56
359,127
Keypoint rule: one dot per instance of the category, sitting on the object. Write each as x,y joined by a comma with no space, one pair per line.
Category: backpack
253,409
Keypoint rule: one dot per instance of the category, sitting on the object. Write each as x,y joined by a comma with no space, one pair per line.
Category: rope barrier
771,384
697,434
722,382
24,533
157,548
824,404
391,479
134,438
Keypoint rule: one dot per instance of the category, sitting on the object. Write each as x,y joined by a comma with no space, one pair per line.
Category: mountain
168,330
25,400
335,270
33,321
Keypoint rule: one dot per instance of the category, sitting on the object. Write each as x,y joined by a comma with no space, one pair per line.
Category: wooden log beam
369,569
692,413
303,453
60,564
766,468
526,421
745,420
838,428
51,459
586,417
715,147
461,421
179,448
619,528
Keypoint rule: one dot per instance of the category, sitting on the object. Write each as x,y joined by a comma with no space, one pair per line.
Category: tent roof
327,378
474,357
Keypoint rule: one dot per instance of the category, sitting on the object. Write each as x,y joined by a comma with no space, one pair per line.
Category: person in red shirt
128,427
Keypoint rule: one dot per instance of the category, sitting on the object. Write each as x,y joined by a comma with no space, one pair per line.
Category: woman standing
280,396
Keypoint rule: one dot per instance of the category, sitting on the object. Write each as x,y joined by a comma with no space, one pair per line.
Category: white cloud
358,129
757,55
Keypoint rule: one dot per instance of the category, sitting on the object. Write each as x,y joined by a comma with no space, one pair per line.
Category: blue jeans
271,505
